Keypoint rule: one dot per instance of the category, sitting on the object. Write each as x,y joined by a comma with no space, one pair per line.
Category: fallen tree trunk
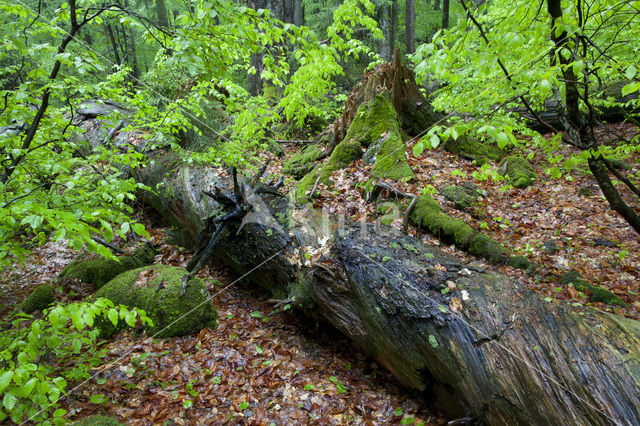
620,110
487,347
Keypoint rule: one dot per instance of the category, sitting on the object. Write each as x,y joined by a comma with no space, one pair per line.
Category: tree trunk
490,348
410,19
298,13
385,42
415,112
393,29
436,5
161,12
445,14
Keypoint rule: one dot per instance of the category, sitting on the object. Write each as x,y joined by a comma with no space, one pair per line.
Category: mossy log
482,342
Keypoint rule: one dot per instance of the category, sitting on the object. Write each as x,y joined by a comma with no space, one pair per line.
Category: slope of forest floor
257,367
586,235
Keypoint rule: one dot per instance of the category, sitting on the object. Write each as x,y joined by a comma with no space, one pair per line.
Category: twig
110,246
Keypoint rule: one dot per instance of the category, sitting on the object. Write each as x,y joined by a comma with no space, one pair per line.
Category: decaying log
488,346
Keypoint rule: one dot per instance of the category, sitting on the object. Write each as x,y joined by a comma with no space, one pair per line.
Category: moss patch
97,421
156,289
596,294
428,214
100,271
302,163
518,170
39,299
474,150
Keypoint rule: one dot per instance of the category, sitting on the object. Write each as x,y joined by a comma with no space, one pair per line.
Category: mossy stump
376,128
462,197
40,298
100,271
156,289
302,162
98,420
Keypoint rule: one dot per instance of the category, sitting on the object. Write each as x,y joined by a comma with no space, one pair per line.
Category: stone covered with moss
156,289
100,271
595,293
428,214
462,197
480,152
98,420
302,162
518,170
376,127
39,299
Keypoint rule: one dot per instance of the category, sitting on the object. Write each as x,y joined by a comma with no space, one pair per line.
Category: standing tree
410,20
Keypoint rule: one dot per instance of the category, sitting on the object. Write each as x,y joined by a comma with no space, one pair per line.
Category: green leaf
5,379
97,398
256,314
243,406
113,316
418,149
187,403
139,229
9,401
631,88
434,140
259,350
442,309
433,342
548,299
630,72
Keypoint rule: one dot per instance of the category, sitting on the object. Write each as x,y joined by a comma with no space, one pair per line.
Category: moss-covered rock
474,150
98,420
100,271
428,214
302,163
595,293
462,197
518,170
156,289
39,299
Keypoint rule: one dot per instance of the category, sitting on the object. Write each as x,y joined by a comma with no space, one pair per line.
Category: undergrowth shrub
39,357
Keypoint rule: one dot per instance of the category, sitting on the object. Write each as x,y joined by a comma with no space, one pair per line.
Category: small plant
30,383
339,386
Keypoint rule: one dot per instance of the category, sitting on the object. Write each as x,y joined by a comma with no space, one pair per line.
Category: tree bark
298,13
393,29
410,19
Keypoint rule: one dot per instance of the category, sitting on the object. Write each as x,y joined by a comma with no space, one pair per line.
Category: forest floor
259,366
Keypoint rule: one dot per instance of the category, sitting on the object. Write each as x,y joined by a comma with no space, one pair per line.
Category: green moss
596,294
461,197
172,314
518,170
428,214
390,161
376,126
302,163
97,421
474,150
39,299
100,271
521,262
343,154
